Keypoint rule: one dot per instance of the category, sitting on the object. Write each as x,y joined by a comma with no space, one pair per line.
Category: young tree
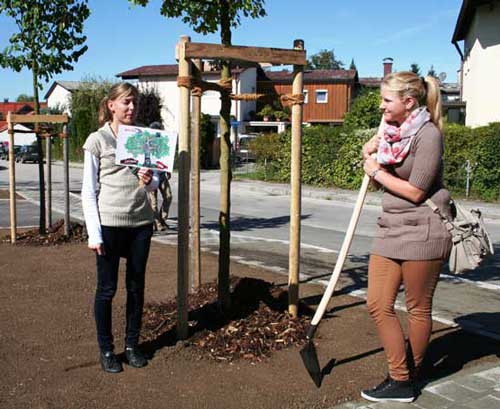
364,112
415,68
209,17
324,60
48,41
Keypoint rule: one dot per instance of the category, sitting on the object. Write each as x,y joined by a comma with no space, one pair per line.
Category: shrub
348,168
458,147
148,106
320,145
364,112
84,107
486,175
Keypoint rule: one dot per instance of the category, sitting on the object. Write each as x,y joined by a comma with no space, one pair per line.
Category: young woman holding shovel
411,242
119,222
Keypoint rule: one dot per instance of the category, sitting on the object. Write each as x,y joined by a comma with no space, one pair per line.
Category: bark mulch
55,235
257,324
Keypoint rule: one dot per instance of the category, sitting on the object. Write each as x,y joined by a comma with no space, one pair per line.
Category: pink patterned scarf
396,140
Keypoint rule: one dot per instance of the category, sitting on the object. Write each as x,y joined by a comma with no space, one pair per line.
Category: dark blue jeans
133,243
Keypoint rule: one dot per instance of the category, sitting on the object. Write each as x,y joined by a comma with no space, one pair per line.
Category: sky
121,36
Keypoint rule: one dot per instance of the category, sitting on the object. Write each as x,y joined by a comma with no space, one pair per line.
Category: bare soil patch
49,352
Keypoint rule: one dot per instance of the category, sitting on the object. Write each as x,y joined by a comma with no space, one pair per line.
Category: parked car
17,148
27,153
243,151
3,151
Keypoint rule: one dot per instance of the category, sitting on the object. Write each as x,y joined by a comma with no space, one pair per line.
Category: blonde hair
122,89
425,90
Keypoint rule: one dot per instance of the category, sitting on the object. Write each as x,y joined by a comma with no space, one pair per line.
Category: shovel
308,352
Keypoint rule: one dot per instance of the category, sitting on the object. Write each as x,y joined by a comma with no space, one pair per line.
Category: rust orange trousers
419,279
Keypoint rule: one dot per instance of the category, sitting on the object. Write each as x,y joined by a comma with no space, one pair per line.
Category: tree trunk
41,178
225,171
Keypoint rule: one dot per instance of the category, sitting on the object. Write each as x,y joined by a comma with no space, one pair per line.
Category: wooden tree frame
190,57
13,119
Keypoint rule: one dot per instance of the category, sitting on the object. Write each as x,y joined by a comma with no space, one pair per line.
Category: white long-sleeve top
90,191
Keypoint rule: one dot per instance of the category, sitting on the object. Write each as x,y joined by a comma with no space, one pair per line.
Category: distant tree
324,60
209,17
25,98
48,41
352,66
415,68
432,72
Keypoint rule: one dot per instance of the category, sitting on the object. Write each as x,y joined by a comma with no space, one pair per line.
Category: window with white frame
321,96
306,94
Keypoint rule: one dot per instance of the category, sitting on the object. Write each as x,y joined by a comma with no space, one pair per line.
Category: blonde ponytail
433,101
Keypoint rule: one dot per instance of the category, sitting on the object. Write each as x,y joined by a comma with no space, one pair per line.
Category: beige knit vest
121,201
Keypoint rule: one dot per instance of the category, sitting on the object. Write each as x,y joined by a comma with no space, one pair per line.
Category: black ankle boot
110,362
135,357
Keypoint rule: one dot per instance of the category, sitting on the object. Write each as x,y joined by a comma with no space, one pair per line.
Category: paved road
260,237
260,231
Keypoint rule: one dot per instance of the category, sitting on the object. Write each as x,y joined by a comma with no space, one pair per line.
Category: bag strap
444,219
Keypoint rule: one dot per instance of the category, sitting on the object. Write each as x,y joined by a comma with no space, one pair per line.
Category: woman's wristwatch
374,173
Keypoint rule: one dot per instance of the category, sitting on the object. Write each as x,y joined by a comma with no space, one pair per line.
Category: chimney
387,65
5,100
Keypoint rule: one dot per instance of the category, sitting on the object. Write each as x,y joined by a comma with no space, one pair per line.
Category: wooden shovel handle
343,252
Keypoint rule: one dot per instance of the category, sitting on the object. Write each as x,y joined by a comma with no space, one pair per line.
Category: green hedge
329,155
332,157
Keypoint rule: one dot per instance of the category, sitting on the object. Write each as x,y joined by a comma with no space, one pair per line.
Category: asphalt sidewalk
490,211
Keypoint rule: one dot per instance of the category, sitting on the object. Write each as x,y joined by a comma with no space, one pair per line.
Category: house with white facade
59,94
478,26
163,78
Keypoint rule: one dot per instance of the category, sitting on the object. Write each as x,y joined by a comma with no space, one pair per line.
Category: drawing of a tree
147,144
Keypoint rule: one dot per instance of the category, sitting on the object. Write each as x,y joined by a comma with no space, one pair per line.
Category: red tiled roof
150,70
167,70
310,76
372,82
16,107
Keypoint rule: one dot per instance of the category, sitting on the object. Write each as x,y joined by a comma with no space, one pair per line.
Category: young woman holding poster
119,222
411,241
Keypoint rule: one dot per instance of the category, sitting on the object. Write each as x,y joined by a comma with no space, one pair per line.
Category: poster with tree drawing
145,148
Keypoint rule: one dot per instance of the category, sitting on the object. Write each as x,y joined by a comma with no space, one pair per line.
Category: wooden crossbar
275,56
35,119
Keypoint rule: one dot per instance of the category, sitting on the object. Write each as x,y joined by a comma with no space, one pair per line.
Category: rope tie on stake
291,99
186,82
247,97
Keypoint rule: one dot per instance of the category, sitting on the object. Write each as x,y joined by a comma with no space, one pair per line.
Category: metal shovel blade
311,362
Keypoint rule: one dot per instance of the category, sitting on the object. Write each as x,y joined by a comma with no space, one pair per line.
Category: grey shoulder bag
471,242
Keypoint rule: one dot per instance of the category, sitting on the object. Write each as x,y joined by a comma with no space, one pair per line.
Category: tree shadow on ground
242,223
247,295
